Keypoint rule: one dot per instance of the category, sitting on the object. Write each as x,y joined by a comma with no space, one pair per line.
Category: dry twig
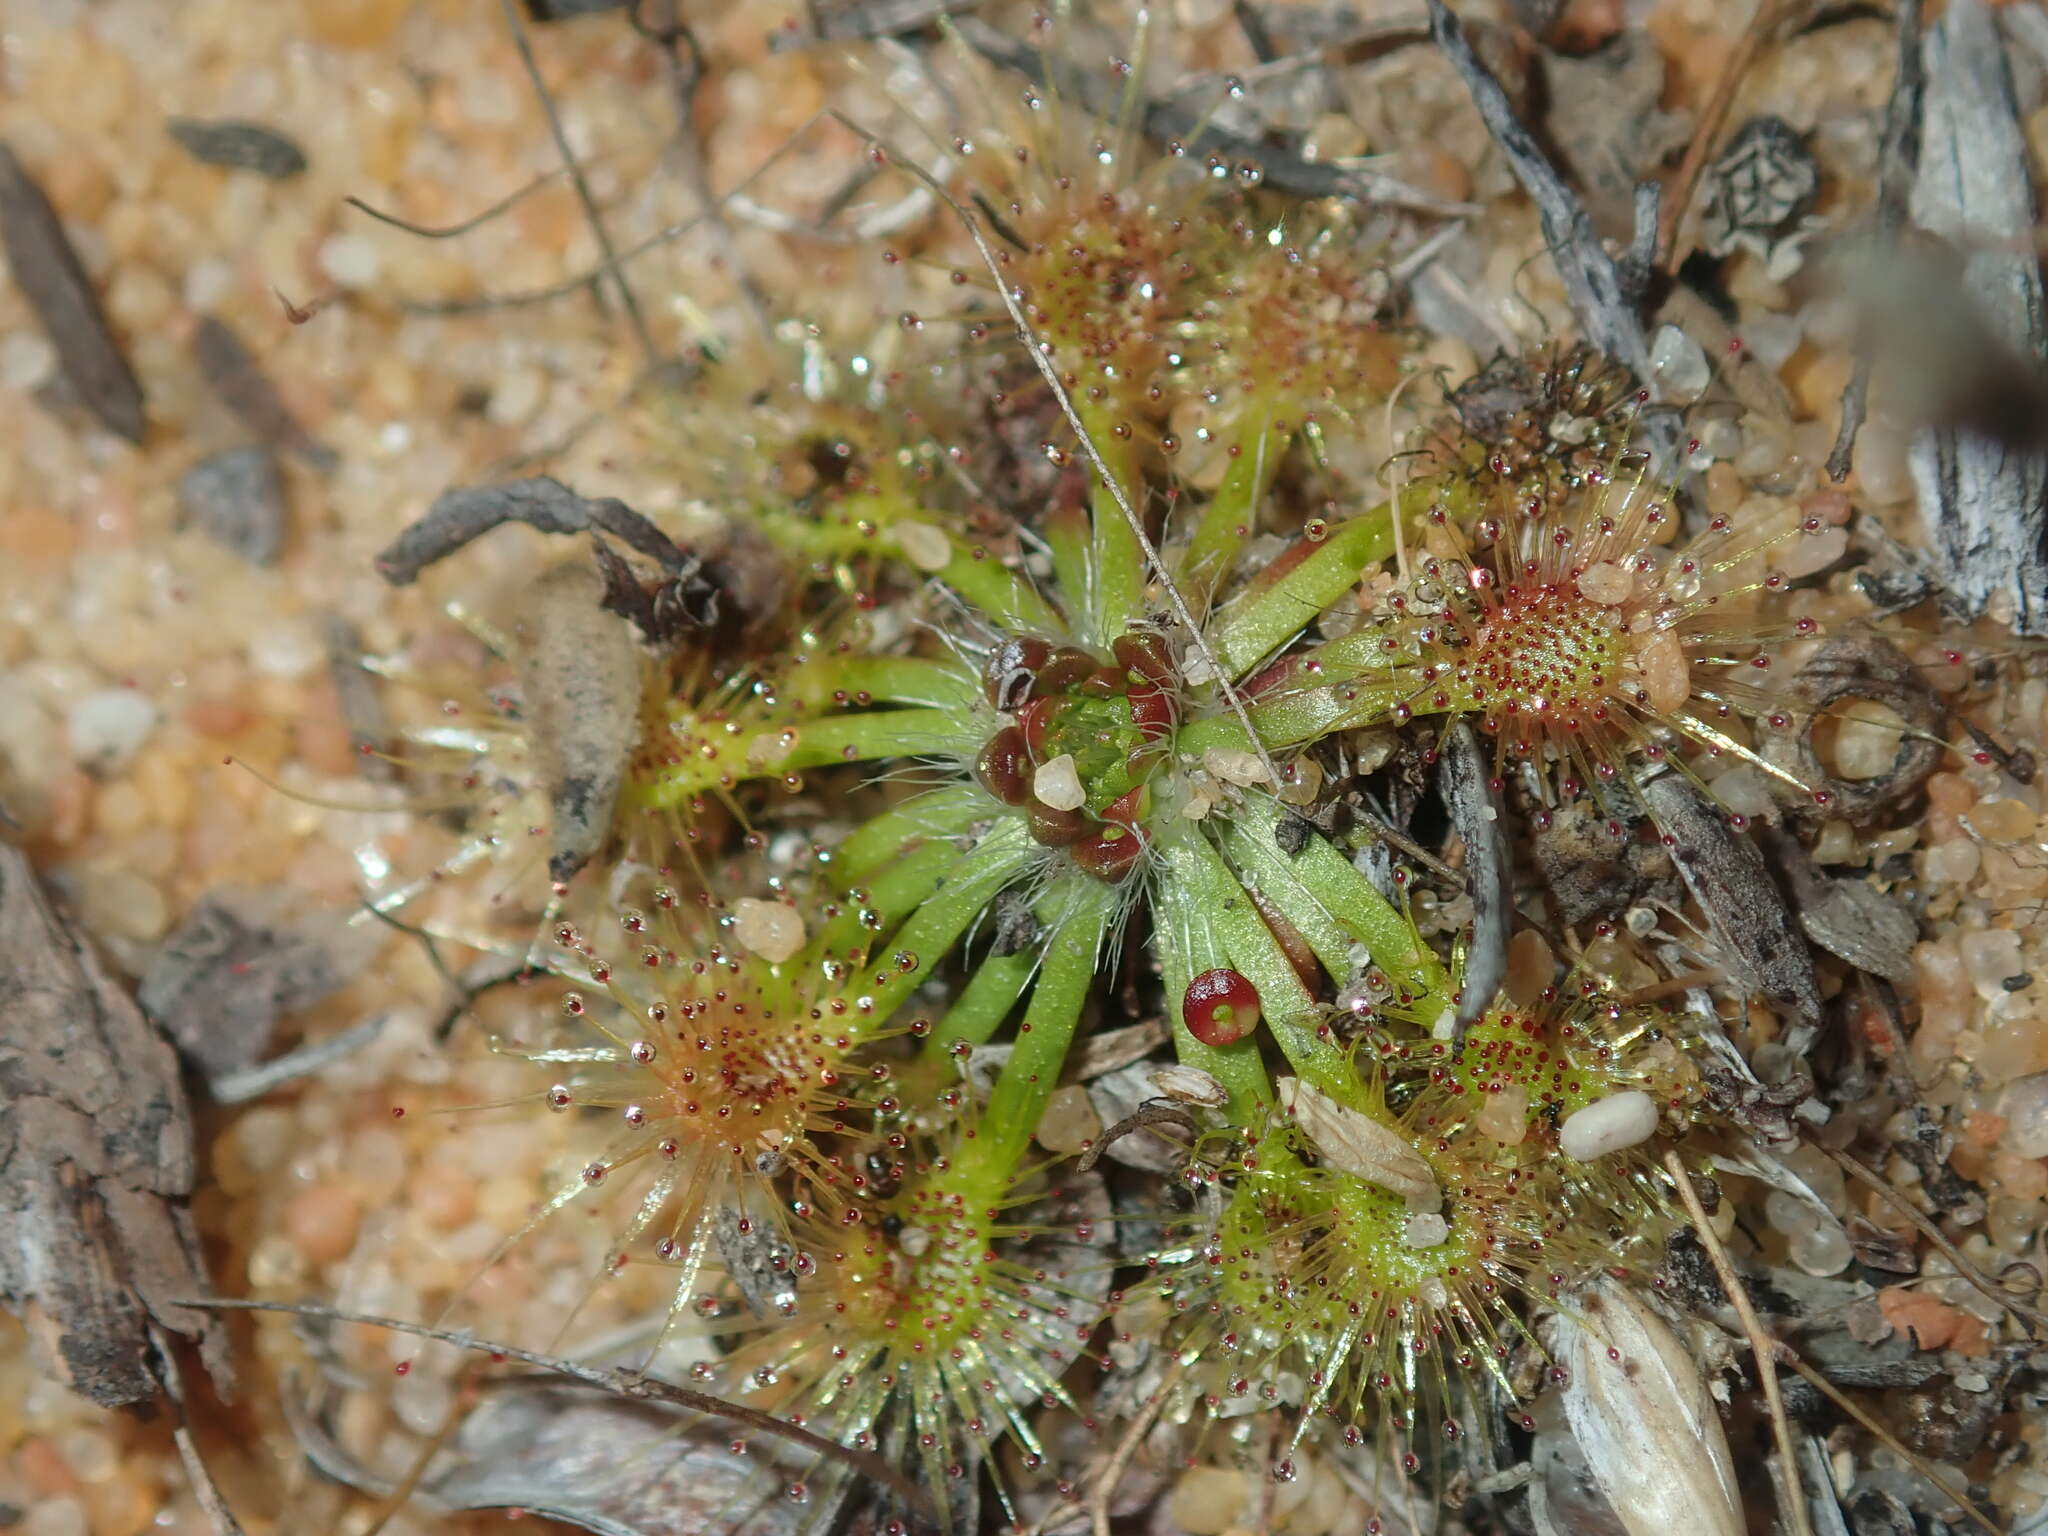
1761,1344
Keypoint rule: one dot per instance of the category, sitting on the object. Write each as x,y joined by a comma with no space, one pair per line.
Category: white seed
1607,1125
1058,784
1234,765
1606,583
1641,1414
924,546
1189,1085
767,928
1359,1144
1425,1229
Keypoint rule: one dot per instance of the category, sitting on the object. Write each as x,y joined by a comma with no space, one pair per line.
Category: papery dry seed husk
1358,1144
1644,1421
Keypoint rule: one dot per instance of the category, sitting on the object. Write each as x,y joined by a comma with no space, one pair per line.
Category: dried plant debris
360,700
47,271
1480,819
1726,875
240,382
1760,191
238,145
588,1459
459,517
231,970
562,10
95,1163
237,497
1849,918
1985,500
1862,678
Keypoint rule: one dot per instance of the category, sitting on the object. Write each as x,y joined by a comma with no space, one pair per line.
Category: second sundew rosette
1372,1256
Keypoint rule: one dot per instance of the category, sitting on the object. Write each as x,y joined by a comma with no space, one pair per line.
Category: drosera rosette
946,1290
1353,1270
1548,595
726,1077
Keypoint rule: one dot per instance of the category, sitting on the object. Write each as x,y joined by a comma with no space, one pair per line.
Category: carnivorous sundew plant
1083,705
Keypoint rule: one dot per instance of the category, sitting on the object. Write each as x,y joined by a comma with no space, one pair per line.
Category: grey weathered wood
95,1162
1985,502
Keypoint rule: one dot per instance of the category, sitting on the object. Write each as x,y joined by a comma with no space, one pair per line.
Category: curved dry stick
1761,1344
646,1389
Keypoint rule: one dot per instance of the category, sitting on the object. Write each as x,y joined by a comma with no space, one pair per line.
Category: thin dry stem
627,298
1761,1344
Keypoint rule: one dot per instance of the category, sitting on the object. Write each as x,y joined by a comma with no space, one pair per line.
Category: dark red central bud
1112,719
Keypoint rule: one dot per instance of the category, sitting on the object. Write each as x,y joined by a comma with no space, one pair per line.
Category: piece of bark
224,978
50,276
240,382
237,497
1480,820
1725,872
238,145
593,1461
1849,918
1983,497
96,1162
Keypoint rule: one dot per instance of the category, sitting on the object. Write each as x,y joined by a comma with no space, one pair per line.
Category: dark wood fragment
1849,918
1480,819
562,10
50,276
228,973
839,21
96,1162
237,497
233,372
1983,497
1726,875
466,513
239,145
